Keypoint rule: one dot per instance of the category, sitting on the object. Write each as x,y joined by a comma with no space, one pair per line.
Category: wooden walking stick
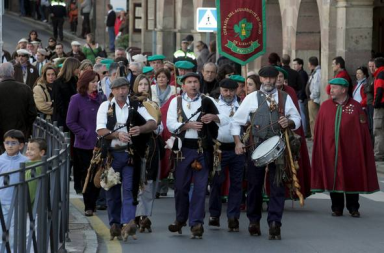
295,180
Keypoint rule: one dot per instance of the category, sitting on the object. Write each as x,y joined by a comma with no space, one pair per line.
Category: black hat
268,71
229,84
189,75
118,82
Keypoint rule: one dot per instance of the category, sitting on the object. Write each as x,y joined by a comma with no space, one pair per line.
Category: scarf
162,95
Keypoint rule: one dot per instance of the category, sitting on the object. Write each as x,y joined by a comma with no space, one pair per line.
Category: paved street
307,229
15,28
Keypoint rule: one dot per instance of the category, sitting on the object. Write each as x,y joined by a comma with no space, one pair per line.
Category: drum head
265,147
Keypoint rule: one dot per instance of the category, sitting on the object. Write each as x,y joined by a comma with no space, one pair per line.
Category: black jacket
301,95
62,92
111,18
294,79
17,108
58,11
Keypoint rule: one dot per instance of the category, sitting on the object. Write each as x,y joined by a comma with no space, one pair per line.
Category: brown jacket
43,100
32,74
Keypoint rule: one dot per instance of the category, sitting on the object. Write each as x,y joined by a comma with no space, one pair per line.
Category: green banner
241,50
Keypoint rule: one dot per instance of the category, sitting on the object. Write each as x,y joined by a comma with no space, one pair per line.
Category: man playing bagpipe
192,117
123,124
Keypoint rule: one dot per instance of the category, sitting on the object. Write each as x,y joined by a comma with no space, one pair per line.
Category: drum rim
277,143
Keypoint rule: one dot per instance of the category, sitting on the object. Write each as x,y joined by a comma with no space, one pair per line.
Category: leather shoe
233,225
355,214
115,231
274,231
254,228
89,213
337,213
214,221
101,207
197,231
176,227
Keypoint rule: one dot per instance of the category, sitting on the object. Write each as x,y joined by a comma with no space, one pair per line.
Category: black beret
229,84
189,74
268,71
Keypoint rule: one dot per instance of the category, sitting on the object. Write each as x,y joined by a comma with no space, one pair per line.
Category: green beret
339,81
147,69
237,78
229,84
190,74
282,71
184,65
107,62
60,65
156,57
118,82
268,71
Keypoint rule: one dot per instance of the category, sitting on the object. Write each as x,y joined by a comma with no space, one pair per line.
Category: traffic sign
206,20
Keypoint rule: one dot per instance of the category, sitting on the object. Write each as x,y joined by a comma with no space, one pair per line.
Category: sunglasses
11,143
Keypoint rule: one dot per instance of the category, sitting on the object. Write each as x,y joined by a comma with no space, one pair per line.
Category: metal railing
41,226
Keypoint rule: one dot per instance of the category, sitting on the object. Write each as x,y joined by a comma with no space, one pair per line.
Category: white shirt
121,118
357,91
225,135
250,104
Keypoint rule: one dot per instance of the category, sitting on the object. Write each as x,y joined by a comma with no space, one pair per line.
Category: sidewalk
68,36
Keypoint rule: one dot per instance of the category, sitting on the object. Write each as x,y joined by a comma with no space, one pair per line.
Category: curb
87,234
68,37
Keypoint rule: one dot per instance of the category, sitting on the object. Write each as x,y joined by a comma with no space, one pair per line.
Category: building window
138,18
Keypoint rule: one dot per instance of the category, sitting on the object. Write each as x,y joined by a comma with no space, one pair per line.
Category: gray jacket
314,83
86,6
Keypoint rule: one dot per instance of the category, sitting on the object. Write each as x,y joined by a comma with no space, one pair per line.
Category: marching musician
227,158
110,116
147,194
196,134
269,116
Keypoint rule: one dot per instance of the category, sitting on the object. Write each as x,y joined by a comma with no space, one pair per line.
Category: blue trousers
111,35
193,210
255,194
235,164
121,210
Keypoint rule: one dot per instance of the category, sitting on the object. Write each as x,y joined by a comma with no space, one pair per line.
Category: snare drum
268,151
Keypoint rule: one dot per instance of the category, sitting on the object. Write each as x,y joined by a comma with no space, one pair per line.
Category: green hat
156,57
184,65
339,81
237,78
60,65
107,62
282,71
147,69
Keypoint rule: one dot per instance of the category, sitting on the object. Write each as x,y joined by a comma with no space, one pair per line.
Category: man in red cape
304,172
342,158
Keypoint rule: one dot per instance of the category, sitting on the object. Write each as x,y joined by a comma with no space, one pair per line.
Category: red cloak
165,163
304,172
356,169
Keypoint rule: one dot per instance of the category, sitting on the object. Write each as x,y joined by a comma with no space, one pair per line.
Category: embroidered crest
31,70
349,109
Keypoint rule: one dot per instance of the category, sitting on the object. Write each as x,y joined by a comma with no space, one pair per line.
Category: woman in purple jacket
81,120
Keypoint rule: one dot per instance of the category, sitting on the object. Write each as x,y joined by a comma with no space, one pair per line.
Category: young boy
36,149
10,160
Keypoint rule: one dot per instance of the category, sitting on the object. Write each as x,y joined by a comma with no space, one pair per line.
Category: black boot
214,221
233,225
115,231
197,231
176,227
254,228
274,231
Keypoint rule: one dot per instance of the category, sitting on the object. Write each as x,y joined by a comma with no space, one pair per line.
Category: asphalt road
305,229
15,28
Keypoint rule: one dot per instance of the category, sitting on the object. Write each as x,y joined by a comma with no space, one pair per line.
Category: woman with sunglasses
42,91
33,36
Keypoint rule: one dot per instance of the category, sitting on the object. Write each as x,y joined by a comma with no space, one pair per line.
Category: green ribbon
240,50
339,112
